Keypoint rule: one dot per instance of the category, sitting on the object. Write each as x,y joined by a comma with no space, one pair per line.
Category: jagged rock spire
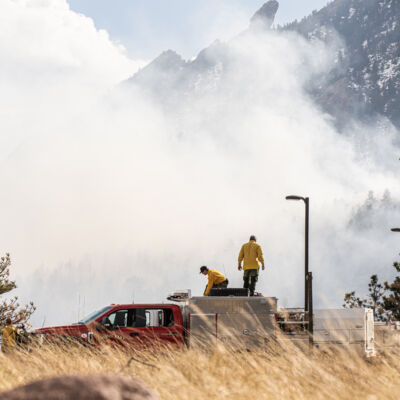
265,16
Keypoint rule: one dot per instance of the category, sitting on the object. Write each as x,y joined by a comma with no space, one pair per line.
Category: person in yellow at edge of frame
252,255
215,279
9,340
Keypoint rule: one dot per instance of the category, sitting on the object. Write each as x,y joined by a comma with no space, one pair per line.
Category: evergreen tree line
383,297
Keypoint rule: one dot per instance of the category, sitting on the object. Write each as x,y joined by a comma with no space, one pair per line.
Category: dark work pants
250,278
221,285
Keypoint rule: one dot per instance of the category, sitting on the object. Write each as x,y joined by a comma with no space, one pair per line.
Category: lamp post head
395,229
294,198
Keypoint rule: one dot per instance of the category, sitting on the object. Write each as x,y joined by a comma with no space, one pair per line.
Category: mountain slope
363,82
169,77
366,78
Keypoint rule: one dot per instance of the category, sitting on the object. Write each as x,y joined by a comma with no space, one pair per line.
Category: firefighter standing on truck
10,334
215,279
251,255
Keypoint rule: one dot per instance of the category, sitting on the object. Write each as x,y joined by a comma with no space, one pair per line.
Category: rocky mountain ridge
363,82
366,77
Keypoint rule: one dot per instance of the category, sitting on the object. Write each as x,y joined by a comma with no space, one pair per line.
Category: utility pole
310,318
306,247
306,201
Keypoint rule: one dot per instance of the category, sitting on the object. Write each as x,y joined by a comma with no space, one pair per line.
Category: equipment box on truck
239,321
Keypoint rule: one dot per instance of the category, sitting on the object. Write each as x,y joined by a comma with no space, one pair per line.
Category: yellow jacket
9,336
214,278
252,254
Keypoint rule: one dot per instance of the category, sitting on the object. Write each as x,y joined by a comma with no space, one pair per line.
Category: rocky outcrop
168,77
82,387
265,16
365,79
162,74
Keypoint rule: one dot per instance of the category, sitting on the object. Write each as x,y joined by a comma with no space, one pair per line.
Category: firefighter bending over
216,280
252,255
10,335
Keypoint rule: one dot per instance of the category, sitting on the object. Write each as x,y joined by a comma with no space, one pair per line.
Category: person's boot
246,284
252,286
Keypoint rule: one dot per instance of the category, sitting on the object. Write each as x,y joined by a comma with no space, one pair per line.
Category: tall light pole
307,204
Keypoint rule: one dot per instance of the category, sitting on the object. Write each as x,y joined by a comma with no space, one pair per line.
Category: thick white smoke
107,196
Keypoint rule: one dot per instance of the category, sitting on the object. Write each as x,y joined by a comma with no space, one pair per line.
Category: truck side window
159,317
137,318
119,319
141,318
168,317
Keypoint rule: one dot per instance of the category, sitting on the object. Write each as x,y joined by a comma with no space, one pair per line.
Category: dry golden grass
278,372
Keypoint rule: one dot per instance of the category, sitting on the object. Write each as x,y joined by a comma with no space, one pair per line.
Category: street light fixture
294,198
307,205
395,229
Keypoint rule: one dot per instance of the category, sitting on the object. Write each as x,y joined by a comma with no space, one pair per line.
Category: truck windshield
91,317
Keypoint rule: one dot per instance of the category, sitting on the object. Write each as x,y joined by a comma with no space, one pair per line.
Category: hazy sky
147,27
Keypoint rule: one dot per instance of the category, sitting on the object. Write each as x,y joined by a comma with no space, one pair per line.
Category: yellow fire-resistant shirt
214,278
9,336
252,254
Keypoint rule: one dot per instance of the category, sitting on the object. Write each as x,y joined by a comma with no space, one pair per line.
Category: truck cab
132,325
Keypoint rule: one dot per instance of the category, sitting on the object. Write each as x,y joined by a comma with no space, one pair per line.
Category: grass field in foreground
274,373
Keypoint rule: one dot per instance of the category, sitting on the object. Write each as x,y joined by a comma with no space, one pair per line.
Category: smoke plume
109,195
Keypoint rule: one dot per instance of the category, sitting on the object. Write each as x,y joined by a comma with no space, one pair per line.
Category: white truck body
247,321
235,321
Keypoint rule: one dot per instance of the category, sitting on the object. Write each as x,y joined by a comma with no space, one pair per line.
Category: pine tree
391,302
383,298
10,307
351,301
374,299
376,291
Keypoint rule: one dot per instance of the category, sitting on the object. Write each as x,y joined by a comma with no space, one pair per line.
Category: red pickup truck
194,321
134,325
201,321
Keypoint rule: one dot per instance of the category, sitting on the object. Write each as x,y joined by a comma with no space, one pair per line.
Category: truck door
113,327
165,325
128,327
157,325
